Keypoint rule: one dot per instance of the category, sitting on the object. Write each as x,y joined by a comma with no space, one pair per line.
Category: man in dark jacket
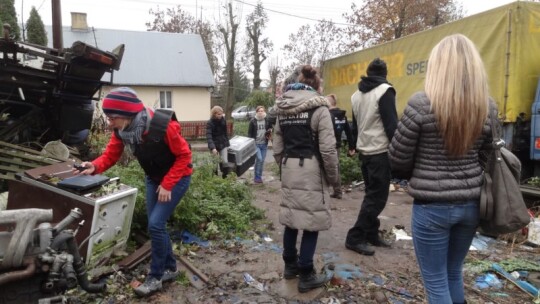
374,123
340,123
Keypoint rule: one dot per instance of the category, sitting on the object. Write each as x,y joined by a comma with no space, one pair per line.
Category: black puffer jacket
417,153
216,134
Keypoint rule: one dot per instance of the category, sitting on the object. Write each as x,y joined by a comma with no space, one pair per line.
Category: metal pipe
25,220
18,275
58,39
80,268
73,215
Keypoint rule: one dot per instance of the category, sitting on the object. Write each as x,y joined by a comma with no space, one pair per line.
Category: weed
241,127
212,208
349,167
534,181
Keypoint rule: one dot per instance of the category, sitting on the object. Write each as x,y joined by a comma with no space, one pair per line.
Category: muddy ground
390,276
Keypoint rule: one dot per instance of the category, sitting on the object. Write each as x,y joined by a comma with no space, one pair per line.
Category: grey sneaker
149,286
169,275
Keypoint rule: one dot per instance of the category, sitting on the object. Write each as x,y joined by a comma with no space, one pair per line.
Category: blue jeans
442,235
158,214
307,246
259,162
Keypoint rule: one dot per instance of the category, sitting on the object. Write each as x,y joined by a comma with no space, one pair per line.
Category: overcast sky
285,16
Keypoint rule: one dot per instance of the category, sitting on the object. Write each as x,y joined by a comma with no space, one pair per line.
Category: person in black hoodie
339,120
374,123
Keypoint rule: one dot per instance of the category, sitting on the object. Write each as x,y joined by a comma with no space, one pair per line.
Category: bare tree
257,47
176,20
313,45
273,70
378,21
229,31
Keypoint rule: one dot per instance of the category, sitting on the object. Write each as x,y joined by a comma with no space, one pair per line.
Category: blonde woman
216,136
436,147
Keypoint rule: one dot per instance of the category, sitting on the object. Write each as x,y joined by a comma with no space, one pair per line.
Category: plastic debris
481,242
252,282
523,285
187,238
331,300
488,280
401,234
347,271
266,238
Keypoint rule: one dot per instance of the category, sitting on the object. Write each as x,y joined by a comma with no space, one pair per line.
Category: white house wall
189,103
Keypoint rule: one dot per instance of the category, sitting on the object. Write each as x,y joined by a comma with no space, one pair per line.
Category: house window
165,99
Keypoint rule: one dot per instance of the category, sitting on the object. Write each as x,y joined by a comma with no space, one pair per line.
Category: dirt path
390,276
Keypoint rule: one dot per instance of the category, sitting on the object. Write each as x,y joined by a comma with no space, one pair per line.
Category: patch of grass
182,279
274,168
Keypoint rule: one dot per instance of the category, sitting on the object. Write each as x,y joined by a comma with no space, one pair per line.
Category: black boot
310,280
291,267
224,170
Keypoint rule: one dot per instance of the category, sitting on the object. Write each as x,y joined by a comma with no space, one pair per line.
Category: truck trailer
508,38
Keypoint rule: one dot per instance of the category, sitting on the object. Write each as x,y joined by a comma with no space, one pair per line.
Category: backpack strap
159,123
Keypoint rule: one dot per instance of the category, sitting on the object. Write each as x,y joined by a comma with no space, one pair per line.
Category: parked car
243,112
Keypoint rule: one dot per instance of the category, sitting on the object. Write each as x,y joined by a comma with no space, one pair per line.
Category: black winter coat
216,134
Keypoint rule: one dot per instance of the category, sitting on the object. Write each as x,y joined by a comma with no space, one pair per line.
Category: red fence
197,129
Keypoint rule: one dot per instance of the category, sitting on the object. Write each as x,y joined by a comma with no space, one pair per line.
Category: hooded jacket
305,203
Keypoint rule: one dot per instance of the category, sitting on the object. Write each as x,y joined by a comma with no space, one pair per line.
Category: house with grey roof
168,70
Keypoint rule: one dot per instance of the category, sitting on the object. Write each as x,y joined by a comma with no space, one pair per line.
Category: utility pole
22,21
58,39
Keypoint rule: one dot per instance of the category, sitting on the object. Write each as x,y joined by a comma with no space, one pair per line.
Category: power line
296,16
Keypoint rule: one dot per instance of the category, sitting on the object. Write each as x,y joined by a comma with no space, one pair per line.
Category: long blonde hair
456,85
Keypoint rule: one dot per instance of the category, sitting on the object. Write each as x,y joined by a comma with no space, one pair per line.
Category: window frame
167,103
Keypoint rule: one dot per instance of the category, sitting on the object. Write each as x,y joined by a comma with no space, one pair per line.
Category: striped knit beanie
122,101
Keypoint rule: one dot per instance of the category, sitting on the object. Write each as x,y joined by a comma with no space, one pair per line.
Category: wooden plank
21,163
12,146
136,257
7,176
13,169
23,155
192,268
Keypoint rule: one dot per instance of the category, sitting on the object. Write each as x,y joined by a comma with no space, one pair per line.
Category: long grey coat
417,153
305,203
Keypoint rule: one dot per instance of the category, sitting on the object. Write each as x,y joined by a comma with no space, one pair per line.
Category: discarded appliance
38,259
242,153
107,209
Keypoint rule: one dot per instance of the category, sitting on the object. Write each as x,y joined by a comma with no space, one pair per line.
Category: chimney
78,22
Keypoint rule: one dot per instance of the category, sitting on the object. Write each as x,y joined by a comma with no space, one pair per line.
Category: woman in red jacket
166,161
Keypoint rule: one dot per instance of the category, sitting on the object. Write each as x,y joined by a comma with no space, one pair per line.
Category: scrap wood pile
17,158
